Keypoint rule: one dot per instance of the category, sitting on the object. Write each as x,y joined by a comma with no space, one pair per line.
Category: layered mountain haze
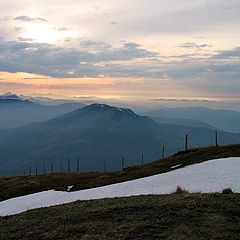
16,111
225,120
182,121
94,134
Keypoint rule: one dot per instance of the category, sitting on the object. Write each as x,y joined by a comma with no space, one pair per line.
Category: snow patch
210,176
69,188
176,166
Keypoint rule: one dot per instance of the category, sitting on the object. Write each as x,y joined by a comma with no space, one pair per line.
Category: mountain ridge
99,132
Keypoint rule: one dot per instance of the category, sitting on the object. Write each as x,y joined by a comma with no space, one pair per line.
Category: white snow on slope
211,176
176,166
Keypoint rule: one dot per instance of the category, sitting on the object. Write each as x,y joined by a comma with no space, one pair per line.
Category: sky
144,50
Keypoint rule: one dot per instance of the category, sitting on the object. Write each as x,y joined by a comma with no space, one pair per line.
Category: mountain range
225,120
16,111
94,134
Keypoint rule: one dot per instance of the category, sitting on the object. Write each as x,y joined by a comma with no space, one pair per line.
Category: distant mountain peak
12,98
9,95
104,107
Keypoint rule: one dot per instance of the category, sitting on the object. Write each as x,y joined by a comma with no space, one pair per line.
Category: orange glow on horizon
130,89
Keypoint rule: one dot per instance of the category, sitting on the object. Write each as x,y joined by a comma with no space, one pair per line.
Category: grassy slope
176,216
17,186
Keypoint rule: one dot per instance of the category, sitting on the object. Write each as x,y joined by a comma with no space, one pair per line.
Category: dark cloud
229,54
217,73
50,60
25,18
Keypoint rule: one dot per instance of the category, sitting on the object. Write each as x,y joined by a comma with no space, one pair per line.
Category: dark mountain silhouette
95,133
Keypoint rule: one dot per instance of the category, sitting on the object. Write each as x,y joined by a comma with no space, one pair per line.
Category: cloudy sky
128,49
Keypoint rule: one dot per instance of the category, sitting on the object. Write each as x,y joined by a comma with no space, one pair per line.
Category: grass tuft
180,190
227,191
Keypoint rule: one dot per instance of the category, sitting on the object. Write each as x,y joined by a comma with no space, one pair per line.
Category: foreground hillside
172,217
206,177
17,186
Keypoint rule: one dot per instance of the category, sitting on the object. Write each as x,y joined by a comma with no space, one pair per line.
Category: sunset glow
89,49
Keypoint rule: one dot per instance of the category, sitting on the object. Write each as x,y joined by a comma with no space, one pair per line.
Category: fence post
186,142
216,138
36,170
30,171
142,159
163,151
78,166
61,166
69,169
122,163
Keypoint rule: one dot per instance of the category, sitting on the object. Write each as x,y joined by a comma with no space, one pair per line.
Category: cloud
181,100
94,45
4,19
114,23
229,54
22,39
25,18
192,45
61,29
217,73
54,61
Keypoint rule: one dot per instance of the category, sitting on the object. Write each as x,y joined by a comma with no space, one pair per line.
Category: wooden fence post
69,167
122,163
216,138
78,166
186,142
163,151
61,166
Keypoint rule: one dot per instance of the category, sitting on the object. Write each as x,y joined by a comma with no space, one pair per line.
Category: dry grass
170,217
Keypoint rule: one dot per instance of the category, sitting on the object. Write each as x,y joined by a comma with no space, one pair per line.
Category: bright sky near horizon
121,49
